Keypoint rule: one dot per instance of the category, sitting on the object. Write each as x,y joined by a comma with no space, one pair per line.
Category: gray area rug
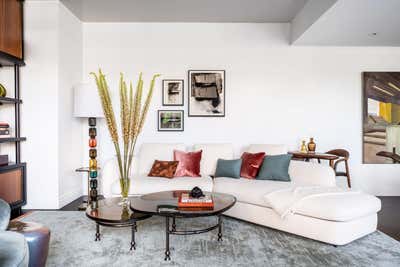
244,244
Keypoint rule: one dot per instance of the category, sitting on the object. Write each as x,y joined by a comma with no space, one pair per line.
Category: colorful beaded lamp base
92,198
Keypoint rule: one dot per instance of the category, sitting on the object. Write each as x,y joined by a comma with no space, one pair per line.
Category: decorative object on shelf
87,105
303,147
4,130
3,91
311,146
132,114
172,92
381,112
170,120
206,93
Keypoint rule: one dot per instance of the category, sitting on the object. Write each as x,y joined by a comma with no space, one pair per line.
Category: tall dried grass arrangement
133,115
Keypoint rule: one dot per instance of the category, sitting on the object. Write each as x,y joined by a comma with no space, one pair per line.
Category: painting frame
380,116
191,112
165,88
165,129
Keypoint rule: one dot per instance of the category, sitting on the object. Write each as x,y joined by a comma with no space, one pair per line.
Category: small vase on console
311,145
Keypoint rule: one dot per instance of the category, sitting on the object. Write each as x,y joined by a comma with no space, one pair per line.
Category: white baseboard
70,196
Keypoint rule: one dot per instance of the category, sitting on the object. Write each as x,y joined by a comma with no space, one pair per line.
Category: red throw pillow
189,163
251,163
165,169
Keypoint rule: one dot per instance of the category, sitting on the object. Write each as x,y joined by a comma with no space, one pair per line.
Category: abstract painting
172,92
170,120
206,93
381,117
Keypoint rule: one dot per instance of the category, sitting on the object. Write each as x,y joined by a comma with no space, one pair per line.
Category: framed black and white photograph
170,120
172,92
206,97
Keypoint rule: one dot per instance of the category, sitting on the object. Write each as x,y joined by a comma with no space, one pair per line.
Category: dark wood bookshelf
12,139
9,100
7,60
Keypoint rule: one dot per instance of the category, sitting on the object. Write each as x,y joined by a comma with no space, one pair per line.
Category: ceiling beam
307,16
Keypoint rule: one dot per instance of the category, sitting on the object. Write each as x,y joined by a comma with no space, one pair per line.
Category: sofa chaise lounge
334,219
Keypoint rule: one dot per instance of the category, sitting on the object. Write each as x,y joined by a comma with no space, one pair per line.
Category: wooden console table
314,155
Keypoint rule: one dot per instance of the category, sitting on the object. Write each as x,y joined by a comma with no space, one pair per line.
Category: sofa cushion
269,149
275,167
309,173
149,152
189,163
339,207
144,184
248,190
228,168
211,153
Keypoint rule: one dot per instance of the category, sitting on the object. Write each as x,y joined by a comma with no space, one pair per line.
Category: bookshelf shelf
9,100
11,139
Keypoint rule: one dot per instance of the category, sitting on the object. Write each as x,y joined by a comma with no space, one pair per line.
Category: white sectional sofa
334,219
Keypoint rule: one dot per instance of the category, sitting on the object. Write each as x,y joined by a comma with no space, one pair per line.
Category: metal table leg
133,230
219,228
173,224
97,232
167,252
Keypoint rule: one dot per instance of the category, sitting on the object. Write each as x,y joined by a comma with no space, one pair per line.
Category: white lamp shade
87,101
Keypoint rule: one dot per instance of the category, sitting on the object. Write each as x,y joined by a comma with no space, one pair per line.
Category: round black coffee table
166,204
109,213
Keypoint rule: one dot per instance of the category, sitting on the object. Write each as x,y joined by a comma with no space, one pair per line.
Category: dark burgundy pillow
165,169
189,163
251,163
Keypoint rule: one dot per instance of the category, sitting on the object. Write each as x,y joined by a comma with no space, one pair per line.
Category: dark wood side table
314,155
109,213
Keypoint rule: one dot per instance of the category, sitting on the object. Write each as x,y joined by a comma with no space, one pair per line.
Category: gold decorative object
311,145
133,115
303,147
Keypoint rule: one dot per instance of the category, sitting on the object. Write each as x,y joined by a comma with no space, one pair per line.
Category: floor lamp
87,105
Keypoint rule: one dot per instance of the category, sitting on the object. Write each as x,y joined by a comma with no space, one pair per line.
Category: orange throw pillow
189,163
251,163
165,169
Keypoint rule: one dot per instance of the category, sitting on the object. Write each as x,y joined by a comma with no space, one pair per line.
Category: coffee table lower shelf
172,231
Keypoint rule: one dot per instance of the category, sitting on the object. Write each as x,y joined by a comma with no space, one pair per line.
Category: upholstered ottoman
38,238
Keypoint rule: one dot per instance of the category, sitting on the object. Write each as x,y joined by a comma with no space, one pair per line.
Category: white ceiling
185,10
352,23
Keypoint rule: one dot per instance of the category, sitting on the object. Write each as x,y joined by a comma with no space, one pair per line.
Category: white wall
70,136
53,56
276,93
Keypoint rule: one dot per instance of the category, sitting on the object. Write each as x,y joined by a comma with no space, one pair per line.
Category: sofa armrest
311,174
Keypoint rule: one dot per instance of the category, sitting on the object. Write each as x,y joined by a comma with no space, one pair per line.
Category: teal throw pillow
275,168
228,168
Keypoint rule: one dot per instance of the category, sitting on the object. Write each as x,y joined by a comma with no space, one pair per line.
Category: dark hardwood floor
388,217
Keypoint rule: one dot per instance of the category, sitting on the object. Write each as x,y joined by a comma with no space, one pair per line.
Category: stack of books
186,201
4,130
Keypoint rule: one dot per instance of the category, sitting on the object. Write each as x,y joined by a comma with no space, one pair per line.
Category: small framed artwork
172,92
170,120
206,93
